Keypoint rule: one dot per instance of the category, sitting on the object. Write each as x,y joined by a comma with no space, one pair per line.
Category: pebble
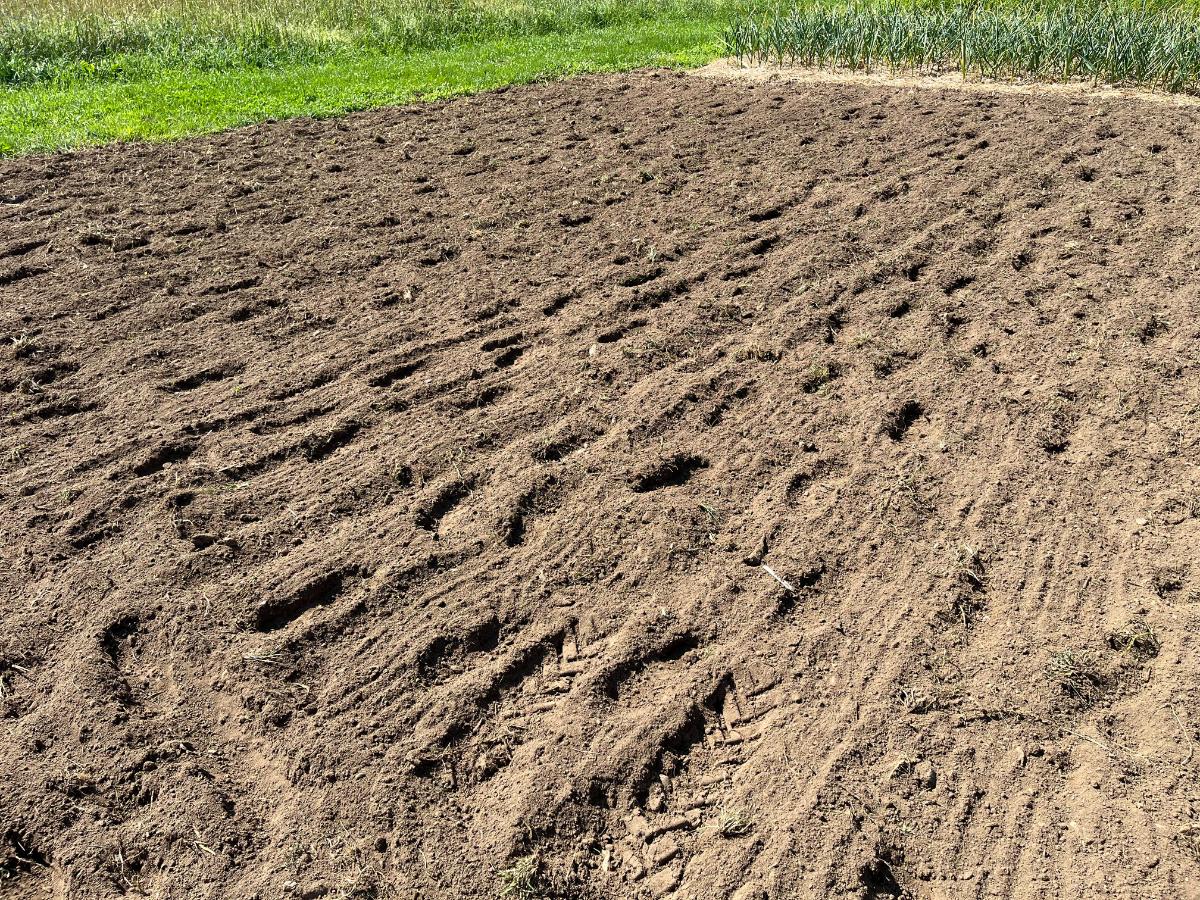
634,870
662,883
673,825
663,851
637,824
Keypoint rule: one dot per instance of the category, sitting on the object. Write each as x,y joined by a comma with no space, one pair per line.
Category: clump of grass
817,376
968,575
24,345
758,353
521,879
75,40
1152,43
1136,639
1078,674
732,823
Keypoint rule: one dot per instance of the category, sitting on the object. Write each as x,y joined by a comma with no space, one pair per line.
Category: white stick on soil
787,587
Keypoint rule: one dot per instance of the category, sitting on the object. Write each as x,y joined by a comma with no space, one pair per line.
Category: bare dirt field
636,486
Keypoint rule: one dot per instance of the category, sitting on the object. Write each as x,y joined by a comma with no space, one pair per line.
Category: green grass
1153,44
177,103
84,72
57,40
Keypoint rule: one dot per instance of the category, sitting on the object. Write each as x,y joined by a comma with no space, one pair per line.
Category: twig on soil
201,846
1191,742
1115,750
25,856
786,586
273,658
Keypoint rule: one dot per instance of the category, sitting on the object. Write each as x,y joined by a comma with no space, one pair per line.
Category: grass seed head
521,879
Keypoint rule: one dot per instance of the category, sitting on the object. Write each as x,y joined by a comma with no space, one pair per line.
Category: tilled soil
634,486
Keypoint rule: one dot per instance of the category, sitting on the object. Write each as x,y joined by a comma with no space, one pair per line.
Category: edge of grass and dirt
181,103
102,78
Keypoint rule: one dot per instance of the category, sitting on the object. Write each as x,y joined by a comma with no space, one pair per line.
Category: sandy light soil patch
948,80
634,486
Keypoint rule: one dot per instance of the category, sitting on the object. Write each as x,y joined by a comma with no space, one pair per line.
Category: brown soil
646,484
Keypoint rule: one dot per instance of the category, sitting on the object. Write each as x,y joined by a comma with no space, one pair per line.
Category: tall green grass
168,103
80,72
66,40
1150,44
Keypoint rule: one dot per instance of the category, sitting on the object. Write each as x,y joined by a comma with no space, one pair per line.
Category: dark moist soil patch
697,487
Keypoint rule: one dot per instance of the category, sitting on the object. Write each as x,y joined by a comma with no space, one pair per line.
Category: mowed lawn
145,74
83,72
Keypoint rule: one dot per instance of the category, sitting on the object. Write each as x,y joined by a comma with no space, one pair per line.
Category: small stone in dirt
632,867
664,850
926,775
637,824
315,891
674,825
662,883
